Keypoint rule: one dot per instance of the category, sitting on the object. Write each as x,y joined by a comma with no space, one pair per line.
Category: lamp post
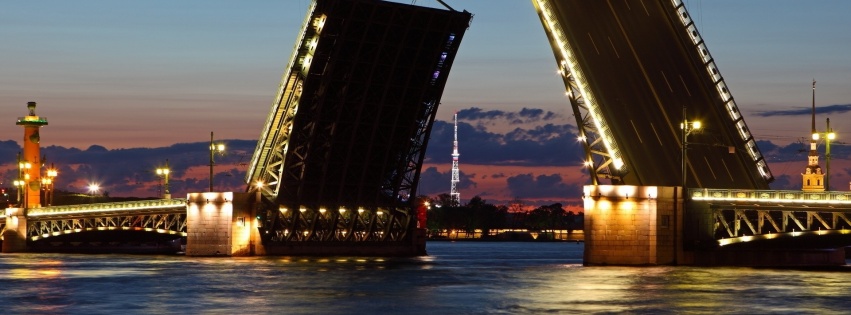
687,128
19,184
93,190
51,182
24,169
259,185
828,136
45,185
51,175
220,148
163,172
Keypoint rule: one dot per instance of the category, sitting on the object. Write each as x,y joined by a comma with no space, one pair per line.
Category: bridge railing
778,196
94,208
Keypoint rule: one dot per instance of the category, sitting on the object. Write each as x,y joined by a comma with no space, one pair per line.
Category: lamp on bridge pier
163,173
50,182
829,136
687,128
19,185
94,189
23,182
214,148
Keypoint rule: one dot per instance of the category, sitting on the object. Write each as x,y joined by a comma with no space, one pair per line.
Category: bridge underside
631,225
101,227
630,69
341,152
772,218
132,241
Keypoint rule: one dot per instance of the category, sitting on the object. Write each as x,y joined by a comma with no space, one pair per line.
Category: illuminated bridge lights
771,236
723,91
107,207
772,196
161,216
111,228
571,71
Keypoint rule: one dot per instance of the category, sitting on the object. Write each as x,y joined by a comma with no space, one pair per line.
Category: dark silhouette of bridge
339,157
638,76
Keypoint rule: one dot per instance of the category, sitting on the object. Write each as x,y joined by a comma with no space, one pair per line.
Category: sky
150,74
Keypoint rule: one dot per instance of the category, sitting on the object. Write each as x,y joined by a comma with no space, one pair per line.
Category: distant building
813,178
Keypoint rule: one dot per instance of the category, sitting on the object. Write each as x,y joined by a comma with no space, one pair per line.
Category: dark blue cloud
123,171
806,111
433,182
785,182
525,115
542,186
547,145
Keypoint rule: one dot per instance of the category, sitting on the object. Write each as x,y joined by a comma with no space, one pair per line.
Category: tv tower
454,195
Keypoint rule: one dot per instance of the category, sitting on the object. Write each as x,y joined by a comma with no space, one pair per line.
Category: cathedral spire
813,178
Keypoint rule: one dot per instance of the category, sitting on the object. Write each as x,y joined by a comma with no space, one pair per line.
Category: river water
456,278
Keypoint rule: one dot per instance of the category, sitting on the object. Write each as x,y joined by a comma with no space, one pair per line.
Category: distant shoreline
443,239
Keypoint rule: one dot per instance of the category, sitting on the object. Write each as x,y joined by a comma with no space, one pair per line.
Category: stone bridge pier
15,236
649,225
222,224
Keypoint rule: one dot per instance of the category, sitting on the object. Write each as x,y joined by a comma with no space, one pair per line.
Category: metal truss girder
763,216
787,215
311,225
729,222
350,123
171,223
837,222
592,127
274,138
740,216
815,215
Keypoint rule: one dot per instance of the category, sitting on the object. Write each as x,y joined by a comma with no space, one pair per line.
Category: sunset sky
155,73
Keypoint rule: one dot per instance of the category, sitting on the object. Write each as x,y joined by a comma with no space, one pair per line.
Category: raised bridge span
339,157
638,75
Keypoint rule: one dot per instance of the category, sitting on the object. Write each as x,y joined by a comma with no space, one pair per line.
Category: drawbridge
639,76
634,72
339,157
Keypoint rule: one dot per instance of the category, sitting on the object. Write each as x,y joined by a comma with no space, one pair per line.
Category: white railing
92,208
772,196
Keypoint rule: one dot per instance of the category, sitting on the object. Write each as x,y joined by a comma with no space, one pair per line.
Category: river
456,278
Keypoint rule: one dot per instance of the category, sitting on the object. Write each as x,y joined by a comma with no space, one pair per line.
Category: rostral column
31,175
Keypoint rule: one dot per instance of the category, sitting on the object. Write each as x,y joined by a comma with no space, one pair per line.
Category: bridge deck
741,216
635,65
160,216
108,209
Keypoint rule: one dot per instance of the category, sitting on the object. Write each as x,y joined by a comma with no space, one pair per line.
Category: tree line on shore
483,216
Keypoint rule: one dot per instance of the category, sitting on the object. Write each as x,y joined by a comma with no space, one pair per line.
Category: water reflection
457,278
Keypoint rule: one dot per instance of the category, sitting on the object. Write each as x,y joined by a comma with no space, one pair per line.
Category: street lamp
51,184
829,135
94,189
163,173
19,184
45,184
214,148
687,128
24,170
